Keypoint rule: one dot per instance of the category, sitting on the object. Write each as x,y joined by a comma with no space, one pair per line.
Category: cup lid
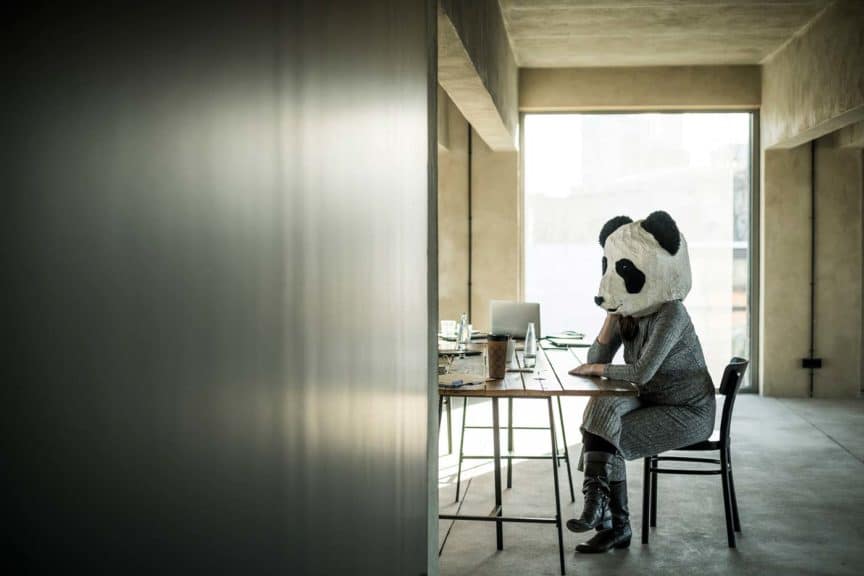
498,337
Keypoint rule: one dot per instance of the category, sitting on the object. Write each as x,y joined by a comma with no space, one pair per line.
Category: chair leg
654,478
510,443
654,481
736,521
727,502
449,426
461,447
646,499
566,450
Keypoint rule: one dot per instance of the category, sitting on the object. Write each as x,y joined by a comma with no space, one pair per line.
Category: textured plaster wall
452,210
664,87
785,271
815,85
496,237
838,269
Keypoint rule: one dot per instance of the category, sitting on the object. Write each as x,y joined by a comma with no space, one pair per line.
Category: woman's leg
603,416
601,428
595,443
619,535
643,432
598,459
655,429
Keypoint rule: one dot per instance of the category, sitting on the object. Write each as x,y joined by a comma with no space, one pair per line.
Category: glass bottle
530,342
463,336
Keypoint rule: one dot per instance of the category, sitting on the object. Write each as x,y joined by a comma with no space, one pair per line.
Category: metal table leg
496,445
557,489
566,450
449,425
509,443
461,447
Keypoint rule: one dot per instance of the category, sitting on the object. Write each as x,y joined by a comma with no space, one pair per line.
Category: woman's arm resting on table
588,370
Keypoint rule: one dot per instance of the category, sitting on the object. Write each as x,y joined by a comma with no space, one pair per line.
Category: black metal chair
732,378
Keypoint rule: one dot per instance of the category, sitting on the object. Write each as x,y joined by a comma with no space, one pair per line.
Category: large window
582,169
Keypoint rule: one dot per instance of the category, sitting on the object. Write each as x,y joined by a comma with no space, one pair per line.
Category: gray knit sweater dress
676,405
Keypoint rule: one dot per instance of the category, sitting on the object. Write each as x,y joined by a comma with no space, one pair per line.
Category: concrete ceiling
567,33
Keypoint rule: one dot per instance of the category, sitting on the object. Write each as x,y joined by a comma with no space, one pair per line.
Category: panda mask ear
611,226
665,231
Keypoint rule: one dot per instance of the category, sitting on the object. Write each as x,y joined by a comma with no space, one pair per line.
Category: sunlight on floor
526,412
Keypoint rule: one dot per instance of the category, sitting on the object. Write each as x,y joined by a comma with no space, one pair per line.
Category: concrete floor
799,471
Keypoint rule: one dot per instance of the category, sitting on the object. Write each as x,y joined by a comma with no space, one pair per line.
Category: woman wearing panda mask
646,275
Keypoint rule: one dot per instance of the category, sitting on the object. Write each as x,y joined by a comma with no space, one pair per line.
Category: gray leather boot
620,534
595,487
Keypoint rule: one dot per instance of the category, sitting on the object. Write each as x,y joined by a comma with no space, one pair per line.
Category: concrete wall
452,211
684,87
785,275
496,237
480,26
811,87
838,269
785,271
815,85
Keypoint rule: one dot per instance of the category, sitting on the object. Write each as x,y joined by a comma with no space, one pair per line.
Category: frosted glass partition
582,169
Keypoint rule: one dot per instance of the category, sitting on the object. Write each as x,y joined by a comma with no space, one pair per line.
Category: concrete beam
656,88
851,136
482,84
815,84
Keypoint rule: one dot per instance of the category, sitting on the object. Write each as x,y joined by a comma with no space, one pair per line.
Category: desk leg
440,405
496,444
509,443
557,488
449,425
566,450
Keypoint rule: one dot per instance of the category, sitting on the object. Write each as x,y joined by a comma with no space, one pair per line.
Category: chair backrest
513,317
733,375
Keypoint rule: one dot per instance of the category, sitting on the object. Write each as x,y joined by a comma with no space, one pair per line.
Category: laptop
512,318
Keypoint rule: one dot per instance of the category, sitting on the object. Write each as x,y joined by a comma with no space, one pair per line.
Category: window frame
753,282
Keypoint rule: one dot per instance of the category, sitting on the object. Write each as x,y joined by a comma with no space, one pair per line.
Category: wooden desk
548,379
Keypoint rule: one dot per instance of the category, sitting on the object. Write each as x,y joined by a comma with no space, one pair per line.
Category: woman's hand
588,370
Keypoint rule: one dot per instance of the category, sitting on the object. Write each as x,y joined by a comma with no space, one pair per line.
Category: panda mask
645,264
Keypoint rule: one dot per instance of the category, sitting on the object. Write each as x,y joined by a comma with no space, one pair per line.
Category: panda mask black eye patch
634,279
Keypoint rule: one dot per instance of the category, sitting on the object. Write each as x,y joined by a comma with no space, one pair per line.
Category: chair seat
713,443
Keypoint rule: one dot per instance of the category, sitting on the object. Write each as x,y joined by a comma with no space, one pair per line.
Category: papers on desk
568,334
459,379
474,336
567,339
